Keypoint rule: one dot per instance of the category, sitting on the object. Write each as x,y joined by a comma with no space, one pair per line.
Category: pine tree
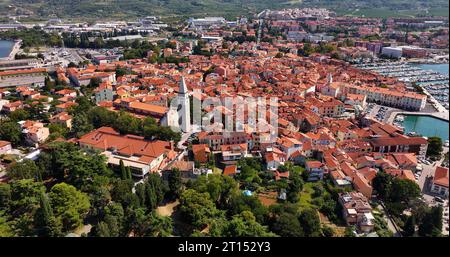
152,200
175,183
51,227
140,192
123,170
129,176
410,226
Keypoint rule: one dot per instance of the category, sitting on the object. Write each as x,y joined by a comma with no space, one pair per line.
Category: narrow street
392,227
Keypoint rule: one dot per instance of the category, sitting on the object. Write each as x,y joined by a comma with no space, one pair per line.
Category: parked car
439,200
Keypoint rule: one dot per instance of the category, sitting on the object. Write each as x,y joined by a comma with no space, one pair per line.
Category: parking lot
379,112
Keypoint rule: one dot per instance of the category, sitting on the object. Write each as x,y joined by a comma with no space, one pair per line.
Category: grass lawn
305,198
299,169
217,171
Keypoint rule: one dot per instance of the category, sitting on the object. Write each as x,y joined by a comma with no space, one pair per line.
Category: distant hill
229,8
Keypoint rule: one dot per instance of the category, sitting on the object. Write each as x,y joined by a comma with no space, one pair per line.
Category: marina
433,78
427,126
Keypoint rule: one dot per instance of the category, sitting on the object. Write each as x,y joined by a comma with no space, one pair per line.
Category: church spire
183,88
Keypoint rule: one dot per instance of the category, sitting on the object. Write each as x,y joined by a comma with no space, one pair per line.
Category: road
390,223
424,182
428,171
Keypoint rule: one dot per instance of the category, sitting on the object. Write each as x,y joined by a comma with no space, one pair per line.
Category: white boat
400,118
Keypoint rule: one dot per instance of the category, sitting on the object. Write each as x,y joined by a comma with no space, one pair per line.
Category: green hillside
230,8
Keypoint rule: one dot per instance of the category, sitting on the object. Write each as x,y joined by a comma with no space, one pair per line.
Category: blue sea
441,68
5,48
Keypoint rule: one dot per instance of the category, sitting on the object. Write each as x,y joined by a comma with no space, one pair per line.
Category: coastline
14,50
443,117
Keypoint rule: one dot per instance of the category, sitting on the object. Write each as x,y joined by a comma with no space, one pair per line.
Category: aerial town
291,123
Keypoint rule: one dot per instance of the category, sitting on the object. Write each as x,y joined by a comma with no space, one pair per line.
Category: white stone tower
184,107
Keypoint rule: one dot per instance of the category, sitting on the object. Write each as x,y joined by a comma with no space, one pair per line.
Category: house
104,92
357,211
186,168
201,153
215,140
230,170
233,152
66,93
64,106
315,170
5,147
137,107
141,155
289,145
35,132
63,118
440,182
274,159
339,179
10,107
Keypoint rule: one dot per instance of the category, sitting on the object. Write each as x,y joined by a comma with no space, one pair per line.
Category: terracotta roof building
143,156
440,181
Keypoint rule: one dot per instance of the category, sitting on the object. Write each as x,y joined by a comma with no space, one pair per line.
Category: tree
10,131
100,230
6,229
287,225
197,208
159,226
120,71
402,190
66,161
350,231
220,188
155,190
127,124
121,193
24,204
310,222
112,224
129,175
18,115
138,221
95,82
328,231
5,196
431,223
48,225
72,65
123,170
434,147
175,184
410,226
382,184
395,190
240,203
241,225
27,169
295,186
70,205
81,125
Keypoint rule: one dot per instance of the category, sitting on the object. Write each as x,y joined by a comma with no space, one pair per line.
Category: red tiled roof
107,138
441,176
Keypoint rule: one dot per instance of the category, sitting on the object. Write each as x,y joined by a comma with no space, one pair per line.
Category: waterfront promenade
439,115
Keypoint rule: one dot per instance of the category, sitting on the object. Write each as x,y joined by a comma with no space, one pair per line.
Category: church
178,116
